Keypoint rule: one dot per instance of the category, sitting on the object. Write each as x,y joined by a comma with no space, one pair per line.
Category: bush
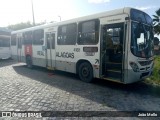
155,78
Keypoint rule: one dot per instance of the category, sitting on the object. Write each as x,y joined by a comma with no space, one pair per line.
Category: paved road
38,89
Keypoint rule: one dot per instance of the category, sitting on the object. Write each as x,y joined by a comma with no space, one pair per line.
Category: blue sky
16,11
93,6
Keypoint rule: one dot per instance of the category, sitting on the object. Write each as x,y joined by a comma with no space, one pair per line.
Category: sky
17,11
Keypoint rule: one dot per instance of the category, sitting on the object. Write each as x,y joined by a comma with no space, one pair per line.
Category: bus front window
142,40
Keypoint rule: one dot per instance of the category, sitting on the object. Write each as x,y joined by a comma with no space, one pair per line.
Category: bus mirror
156,41
126,18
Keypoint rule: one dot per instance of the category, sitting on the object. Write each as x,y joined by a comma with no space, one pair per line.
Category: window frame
5,41
96,32
67,35
29,37
40,40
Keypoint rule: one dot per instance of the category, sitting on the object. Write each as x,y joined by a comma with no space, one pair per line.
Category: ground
38,89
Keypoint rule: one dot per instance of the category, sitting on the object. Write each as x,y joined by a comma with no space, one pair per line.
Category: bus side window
4,42
67,34
7,43
88,32
38,37
27,37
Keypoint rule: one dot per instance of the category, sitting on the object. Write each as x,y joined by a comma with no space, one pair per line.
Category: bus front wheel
85,72
29,62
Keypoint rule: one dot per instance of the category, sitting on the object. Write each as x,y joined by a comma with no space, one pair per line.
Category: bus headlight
134,66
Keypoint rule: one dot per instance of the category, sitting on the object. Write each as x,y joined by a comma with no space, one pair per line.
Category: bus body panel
5,52
144,71
38,57
67,57
113,19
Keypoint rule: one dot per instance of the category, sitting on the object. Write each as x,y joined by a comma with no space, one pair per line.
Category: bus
114,45
5,50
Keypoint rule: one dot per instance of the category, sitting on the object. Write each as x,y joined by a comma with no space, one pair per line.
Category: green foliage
22,25
155,78
156,22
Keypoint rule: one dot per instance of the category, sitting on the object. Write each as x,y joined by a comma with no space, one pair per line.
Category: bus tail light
134,66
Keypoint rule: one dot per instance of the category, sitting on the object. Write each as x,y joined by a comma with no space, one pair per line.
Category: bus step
50,68
113,79
112,65
114,73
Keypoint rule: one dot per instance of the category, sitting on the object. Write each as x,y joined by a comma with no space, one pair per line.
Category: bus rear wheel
85,72
29,62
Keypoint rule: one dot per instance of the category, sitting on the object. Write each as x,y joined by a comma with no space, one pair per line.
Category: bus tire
85,72
29,62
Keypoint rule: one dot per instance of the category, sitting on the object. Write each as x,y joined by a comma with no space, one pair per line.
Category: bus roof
125,10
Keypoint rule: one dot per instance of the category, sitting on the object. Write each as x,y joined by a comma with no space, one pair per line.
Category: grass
155,78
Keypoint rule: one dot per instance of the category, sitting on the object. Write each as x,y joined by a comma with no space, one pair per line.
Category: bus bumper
136,76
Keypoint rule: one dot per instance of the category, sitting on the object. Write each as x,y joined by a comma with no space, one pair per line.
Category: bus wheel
29,62
85,72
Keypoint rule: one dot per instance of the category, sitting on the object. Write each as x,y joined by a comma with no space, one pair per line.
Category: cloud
98,1
145,7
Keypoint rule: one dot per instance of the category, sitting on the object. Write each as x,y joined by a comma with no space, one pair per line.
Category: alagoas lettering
65,55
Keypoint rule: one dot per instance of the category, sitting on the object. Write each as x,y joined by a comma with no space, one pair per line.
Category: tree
156,22
20,26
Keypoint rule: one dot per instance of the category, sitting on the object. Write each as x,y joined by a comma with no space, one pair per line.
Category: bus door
112,51
50,50
19,50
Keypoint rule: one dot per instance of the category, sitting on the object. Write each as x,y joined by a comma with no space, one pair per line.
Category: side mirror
156,41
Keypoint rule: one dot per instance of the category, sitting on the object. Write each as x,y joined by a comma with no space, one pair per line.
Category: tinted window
13,40
149,19
142,41
140,16
88,32
67,34
114,33
50,40
38,37
4,43
27,37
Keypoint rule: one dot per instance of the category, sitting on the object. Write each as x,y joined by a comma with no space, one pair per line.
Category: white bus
115,45
5,50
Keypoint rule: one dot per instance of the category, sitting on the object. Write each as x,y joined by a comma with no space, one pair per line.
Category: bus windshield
141,34
142,40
